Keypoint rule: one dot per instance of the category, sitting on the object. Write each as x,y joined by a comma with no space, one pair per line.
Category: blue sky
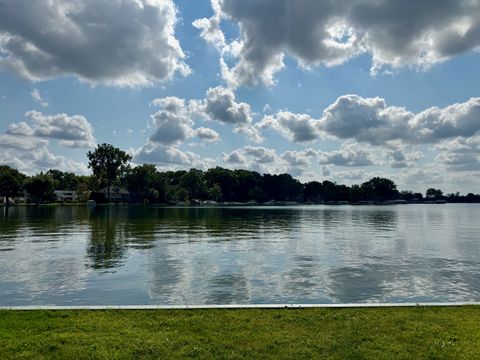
343,91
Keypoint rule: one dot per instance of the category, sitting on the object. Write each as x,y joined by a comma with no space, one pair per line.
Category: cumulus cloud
401,159
460,154
436,123
251,154
370,120
210,28
207,134
322,32
366,119
296,158
31,155
348,155
326,171
266,160
426,177
121,43
37,97
173,123
260,154
235,157
21,128
353,177
219,105
71,131
165,155
295,127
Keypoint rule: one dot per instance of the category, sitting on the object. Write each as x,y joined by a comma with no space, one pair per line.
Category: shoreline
247,204
237,306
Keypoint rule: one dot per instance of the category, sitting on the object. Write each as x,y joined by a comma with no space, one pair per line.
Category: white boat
91,203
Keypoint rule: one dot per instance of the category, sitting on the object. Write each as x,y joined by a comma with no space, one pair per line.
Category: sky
324,90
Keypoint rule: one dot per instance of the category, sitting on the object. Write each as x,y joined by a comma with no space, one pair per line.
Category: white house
117,194
65,195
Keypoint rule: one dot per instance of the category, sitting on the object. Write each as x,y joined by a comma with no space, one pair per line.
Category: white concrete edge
230,306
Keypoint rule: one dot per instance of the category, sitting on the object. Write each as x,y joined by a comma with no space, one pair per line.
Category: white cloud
165,155
321,32
461,119
219,105
250,131
260,154
295,127
460,154
31,155
37,97
121,43
210,28
71,131
399,158
21,128
266,160
172,124
235,157
366,120
252,156
370,120
207,134
296,158
348,155
326,171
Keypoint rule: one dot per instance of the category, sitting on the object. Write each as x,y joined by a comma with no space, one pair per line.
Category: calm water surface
254,255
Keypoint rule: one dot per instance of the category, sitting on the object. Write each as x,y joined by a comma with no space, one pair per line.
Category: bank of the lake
349,333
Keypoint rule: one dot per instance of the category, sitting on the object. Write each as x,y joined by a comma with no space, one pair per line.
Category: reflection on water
305,254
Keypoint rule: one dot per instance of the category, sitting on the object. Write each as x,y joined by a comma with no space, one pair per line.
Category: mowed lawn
355,333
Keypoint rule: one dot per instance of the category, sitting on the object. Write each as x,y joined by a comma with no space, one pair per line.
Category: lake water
247,255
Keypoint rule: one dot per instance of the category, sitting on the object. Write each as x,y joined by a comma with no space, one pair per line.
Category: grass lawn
362,333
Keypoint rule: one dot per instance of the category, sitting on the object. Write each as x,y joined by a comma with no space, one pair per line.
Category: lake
239,255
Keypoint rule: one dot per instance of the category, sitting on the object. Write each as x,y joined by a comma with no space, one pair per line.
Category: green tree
64,180
380,189
434,193
108,163
215,193
225,179
195,184
40,187
144,182
10,182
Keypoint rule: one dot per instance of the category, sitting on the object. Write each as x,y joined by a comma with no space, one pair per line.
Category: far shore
239,204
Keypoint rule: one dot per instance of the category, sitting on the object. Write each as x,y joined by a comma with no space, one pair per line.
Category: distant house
65,195
3,200
117,194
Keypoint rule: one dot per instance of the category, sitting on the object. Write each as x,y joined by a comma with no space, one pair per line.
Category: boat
91,203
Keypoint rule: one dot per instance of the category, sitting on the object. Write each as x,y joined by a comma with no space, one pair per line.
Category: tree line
111,167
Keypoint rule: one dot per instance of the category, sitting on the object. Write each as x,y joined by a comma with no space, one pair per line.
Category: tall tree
434,193
380,189
145,183
108,163
10,182
41,187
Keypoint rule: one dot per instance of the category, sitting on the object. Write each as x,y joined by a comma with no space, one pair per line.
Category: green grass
372,333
